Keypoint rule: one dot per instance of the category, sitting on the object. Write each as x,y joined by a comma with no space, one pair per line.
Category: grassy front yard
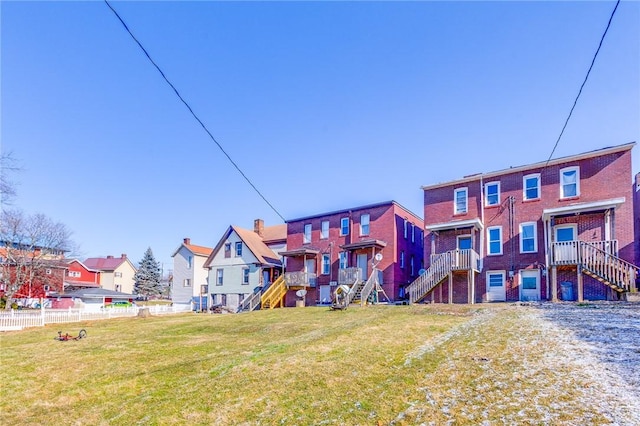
377,365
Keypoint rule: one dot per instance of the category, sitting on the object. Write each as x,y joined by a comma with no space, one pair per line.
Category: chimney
123,256
187,241
109,257
258,227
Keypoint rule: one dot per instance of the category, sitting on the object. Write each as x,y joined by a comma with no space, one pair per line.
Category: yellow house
116,273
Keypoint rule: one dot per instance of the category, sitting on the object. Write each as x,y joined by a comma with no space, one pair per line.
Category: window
531,187
413,233
306,238
460,200
569,182
496,279
463,242
494,235
406,228
189,261
75,274
245,276
528,238
219,276
117,274
227,250
411,266
186,282
492,193
402,259
343,259
326,264
364,224
344,226
238,249
47,271
324,230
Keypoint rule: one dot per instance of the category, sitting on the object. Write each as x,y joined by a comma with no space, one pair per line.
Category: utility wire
583,83
193,113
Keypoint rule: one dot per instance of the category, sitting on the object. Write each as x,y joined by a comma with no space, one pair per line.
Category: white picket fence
19,319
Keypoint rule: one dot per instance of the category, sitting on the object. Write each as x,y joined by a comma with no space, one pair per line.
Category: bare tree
8,165
31,248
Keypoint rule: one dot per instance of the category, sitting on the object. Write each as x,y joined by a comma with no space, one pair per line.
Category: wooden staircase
441,267
274,295
607,268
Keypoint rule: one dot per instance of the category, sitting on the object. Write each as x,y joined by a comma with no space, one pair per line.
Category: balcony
349,276
300,279
458,260
575,252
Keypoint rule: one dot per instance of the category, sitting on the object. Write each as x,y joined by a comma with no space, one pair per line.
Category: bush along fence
19,319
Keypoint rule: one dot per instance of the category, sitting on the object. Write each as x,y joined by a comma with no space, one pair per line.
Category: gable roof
106,263
195,249
254,243
70,261
274,233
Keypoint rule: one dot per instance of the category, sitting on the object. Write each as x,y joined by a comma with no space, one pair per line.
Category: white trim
536,273
465,236
573,226
489,229
504,285
539,165
535,237
456,224
323,235
368,224
307,239
570,169
341,227
524,186
486,193
583,207
455,200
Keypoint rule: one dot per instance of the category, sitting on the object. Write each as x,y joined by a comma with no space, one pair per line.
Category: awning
583,207
364,244
300,252
455,224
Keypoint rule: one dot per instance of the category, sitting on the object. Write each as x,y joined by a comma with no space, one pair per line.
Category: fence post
42,311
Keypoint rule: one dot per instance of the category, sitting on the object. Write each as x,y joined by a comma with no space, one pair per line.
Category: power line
191,111
583,83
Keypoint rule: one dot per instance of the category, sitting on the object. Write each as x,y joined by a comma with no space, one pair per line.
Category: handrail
617,271
368,287
349,275
274,294
250,302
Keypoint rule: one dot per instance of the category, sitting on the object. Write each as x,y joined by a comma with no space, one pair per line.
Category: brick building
325,249
544,231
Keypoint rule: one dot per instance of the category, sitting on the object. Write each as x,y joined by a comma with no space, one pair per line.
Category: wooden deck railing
349,276
618,273
274,295
300,279
441,266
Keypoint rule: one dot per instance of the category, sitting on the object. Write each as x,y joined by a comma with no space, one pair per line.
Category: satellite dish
378,257
301,293
422,271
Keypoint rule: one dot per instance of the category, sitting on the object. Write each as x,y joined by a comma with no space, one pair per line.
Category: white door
529,285
325,294
496,291
362,263
567,250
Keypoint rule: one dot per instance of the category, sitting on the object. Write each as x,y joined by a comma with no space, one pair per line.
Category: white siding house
189,275
242,261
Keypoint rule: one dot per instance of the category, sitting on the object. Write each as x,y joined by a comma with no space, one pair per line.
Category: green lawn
297,366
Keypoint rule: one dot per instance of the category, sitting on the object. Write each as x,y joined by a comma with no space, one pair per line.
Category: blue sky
323,105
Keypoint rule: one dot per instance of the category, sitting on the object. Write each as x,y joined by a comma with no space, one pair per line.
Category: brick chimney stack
258,227
187,241
109,257
123,256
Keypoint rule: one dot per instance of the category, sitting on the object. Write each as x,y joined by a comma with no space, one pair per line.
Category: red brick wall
601,178
386,224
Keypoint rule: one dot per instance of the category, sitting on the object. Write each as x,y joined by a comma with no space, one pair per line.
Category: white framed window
531,187
219,276
460,201
238,248
406,228
364,224
186,282
326,264
402,259
324,230
411,266
463,242
343,259
492,194
528,237
74,274
344,226
306,237
494,240
117,274
570,182
245,276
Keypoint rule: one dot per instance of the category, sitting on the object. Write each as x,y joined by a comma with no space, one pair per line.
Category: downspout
545,224
481,266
